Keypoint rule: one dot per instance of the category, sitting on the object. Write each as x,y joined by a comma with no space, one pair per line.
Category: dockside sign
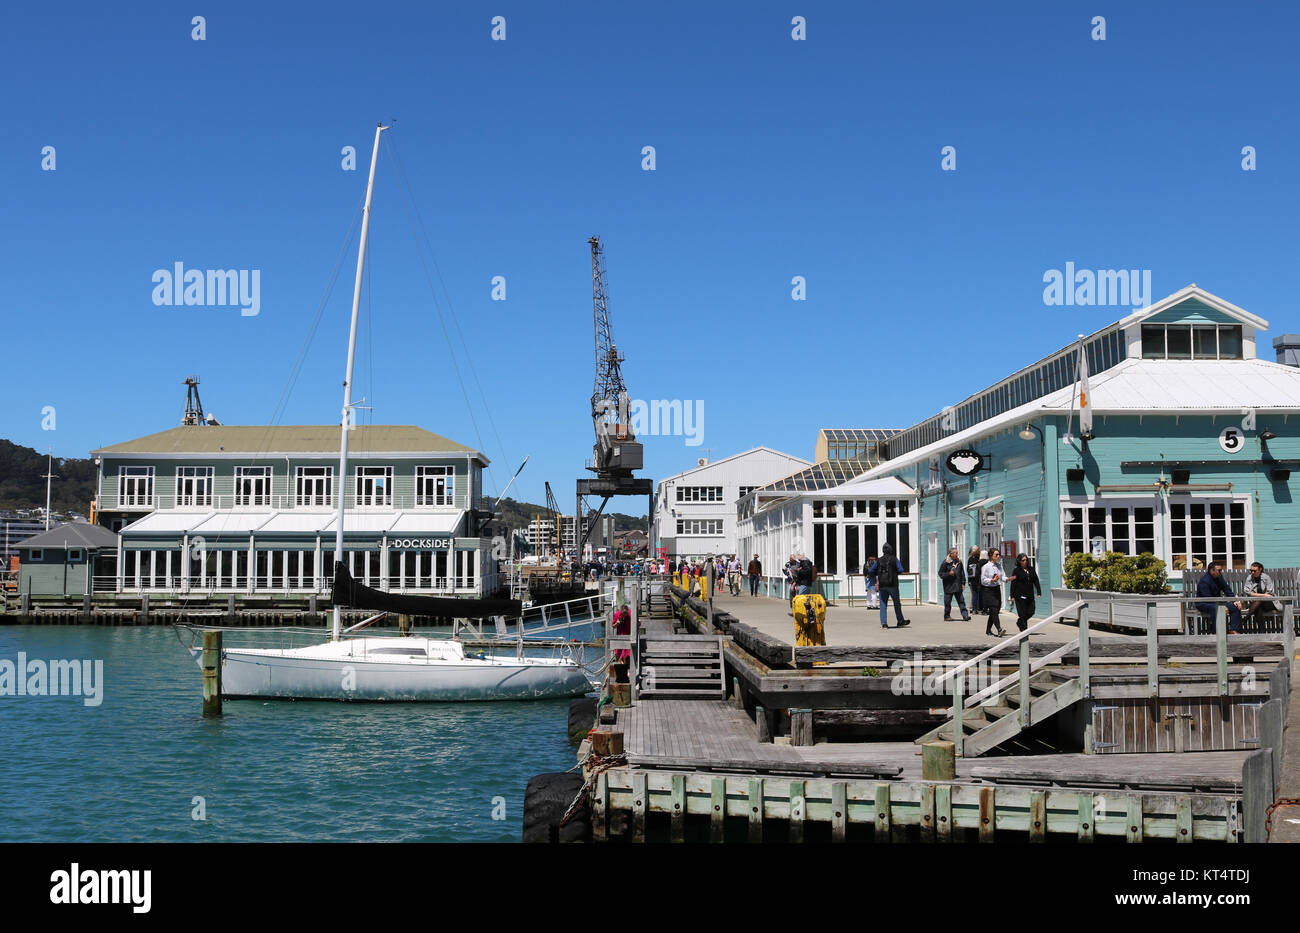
415,544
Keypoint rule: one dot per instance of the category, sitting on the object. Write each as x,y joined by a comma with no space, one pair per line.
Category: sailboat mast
347,379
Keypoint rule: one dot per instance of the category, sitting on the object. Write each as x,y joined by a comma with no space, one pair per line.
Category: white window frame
36,553
435,485
314,480
130,477
1029,522
1159,545
700,527
254,475
1247,515
75,555
197,478
373,488
700,494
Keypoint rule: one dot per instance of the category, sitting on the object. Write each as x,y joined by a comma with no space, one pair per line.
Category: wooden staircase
681,667
1001,719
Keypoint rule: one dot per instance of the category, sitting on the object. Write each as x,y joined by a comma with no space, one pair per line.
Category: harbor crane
617,453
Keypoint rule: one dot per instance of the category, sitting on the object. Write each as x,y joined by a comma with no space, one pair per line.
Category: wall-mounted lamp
1266,435
1027,434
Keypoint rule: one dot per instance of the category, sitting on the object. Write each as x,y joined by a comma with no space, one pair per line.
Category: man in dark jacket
973,576
1213,585
885,571
952,573
755,570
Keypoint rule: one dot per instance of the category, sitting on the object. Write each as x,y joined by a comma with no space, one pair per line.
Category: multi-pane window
314,486
1191,341
1029,538
374,486
699,493
435,485
136,486
252,485
746,490
699,526
1202,531
194,486
1127,529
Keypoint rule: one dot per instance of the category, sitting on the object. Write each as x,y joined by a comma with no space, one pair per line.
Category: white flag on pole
1085,394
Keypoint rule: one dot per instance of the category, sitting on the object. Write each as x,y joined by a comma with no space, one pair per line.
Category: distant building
543,529
253,509
16,529
695,510
67,559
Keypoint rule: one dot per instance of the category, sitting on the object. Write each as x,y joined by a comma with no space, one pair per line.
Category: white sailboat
404,668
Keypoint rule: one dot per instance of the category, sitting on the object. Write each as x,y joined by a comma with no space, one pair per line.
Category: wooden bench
1286,583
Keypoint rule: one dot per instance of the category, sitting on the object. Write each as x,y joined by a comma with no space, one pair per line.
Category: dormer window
1191,341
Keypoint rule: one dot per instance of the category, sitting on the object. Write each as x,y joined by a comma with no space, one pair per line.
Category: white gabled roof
1200,294
1137,386
744,453
877,488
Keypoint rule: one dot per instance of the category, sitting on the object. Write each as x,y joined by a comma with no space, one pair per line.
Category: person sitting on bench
1212,585
1258,584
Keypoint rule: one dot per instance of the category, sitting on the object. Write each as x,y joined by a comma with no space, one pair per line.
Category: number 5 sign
1231,440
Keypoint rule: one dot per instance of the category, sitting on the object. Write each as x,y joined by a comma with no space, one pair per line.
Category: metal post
1026,697
1153,652
1221,641
1085,652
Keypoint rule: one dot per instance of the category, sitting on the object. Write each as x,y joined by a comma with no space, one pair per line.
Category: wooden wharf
1158,737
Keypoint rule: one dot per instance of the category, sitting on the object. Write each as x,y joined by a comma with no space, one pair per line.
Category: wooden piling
211,674
801,727
938,761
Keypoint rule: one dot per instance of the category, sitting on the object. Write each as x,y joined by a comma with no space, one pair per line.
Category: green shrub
1116,573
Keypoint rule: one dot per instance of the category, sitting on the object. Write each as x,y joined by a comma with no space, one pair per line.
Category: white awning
425,523
988,503
166,522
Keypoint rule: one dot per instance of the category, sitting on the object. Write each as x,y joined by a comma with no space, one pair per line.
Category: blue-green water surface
130,769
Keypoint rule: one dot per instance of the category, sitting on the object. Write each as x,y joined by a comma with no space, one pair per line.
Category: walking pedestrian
755,569
991,578
952,572
869,583
886,571
733,576
1024,584
973,576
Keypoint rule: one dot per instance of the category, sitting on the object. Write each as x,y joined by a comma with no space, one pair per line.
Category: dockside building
221,508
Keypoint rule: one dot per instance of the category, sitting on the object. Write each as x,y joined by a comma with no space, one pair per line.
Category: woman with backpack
991,577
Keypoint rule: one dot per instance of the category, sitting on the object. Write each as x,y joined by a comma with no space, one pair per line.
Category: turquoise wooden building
1192,455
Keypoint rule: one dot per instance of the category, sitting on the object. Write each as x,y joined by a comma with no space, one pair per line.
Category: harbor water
144,766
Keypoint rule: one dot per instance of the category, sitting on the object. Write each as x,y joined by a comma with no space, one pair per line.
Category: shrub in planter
1116,573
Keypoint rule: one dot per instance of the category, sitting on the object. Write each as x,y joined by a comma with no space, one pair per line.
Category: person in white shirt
991,578
733,576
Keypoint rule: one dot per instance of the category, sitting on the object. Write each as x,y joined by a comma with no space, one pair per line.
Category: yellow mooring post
211,674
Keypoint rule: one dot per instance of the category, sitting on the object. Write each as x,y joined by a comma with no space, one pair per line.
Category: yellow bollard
809,620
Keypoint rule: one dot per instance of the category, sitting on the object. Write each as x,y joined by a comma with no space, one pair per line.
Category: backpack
887,571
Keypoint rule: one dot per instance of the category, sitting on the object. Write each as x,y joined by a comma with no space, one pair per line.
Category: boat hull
265,674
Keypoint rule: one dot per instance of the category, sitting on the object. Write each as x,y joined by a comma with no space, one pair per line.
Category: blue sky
774,158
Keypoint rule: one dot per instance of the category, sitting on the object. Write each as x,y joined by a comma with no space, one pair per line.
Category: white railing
268,586
1083,644
279,502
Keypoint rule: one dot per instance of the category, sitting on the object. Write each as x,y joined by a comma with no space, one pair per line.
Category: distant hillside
22,480
518,514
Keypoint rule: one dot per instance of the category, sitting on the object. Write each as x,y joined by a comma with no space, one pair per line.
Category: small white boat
409,669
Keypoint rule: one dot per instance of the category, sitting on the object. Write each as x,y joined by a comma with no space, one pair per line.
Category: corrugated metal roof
1142,386
71,535
232,439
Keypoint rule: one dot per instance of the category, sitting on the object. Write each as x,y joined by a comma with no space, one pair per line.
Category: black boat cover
349,594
